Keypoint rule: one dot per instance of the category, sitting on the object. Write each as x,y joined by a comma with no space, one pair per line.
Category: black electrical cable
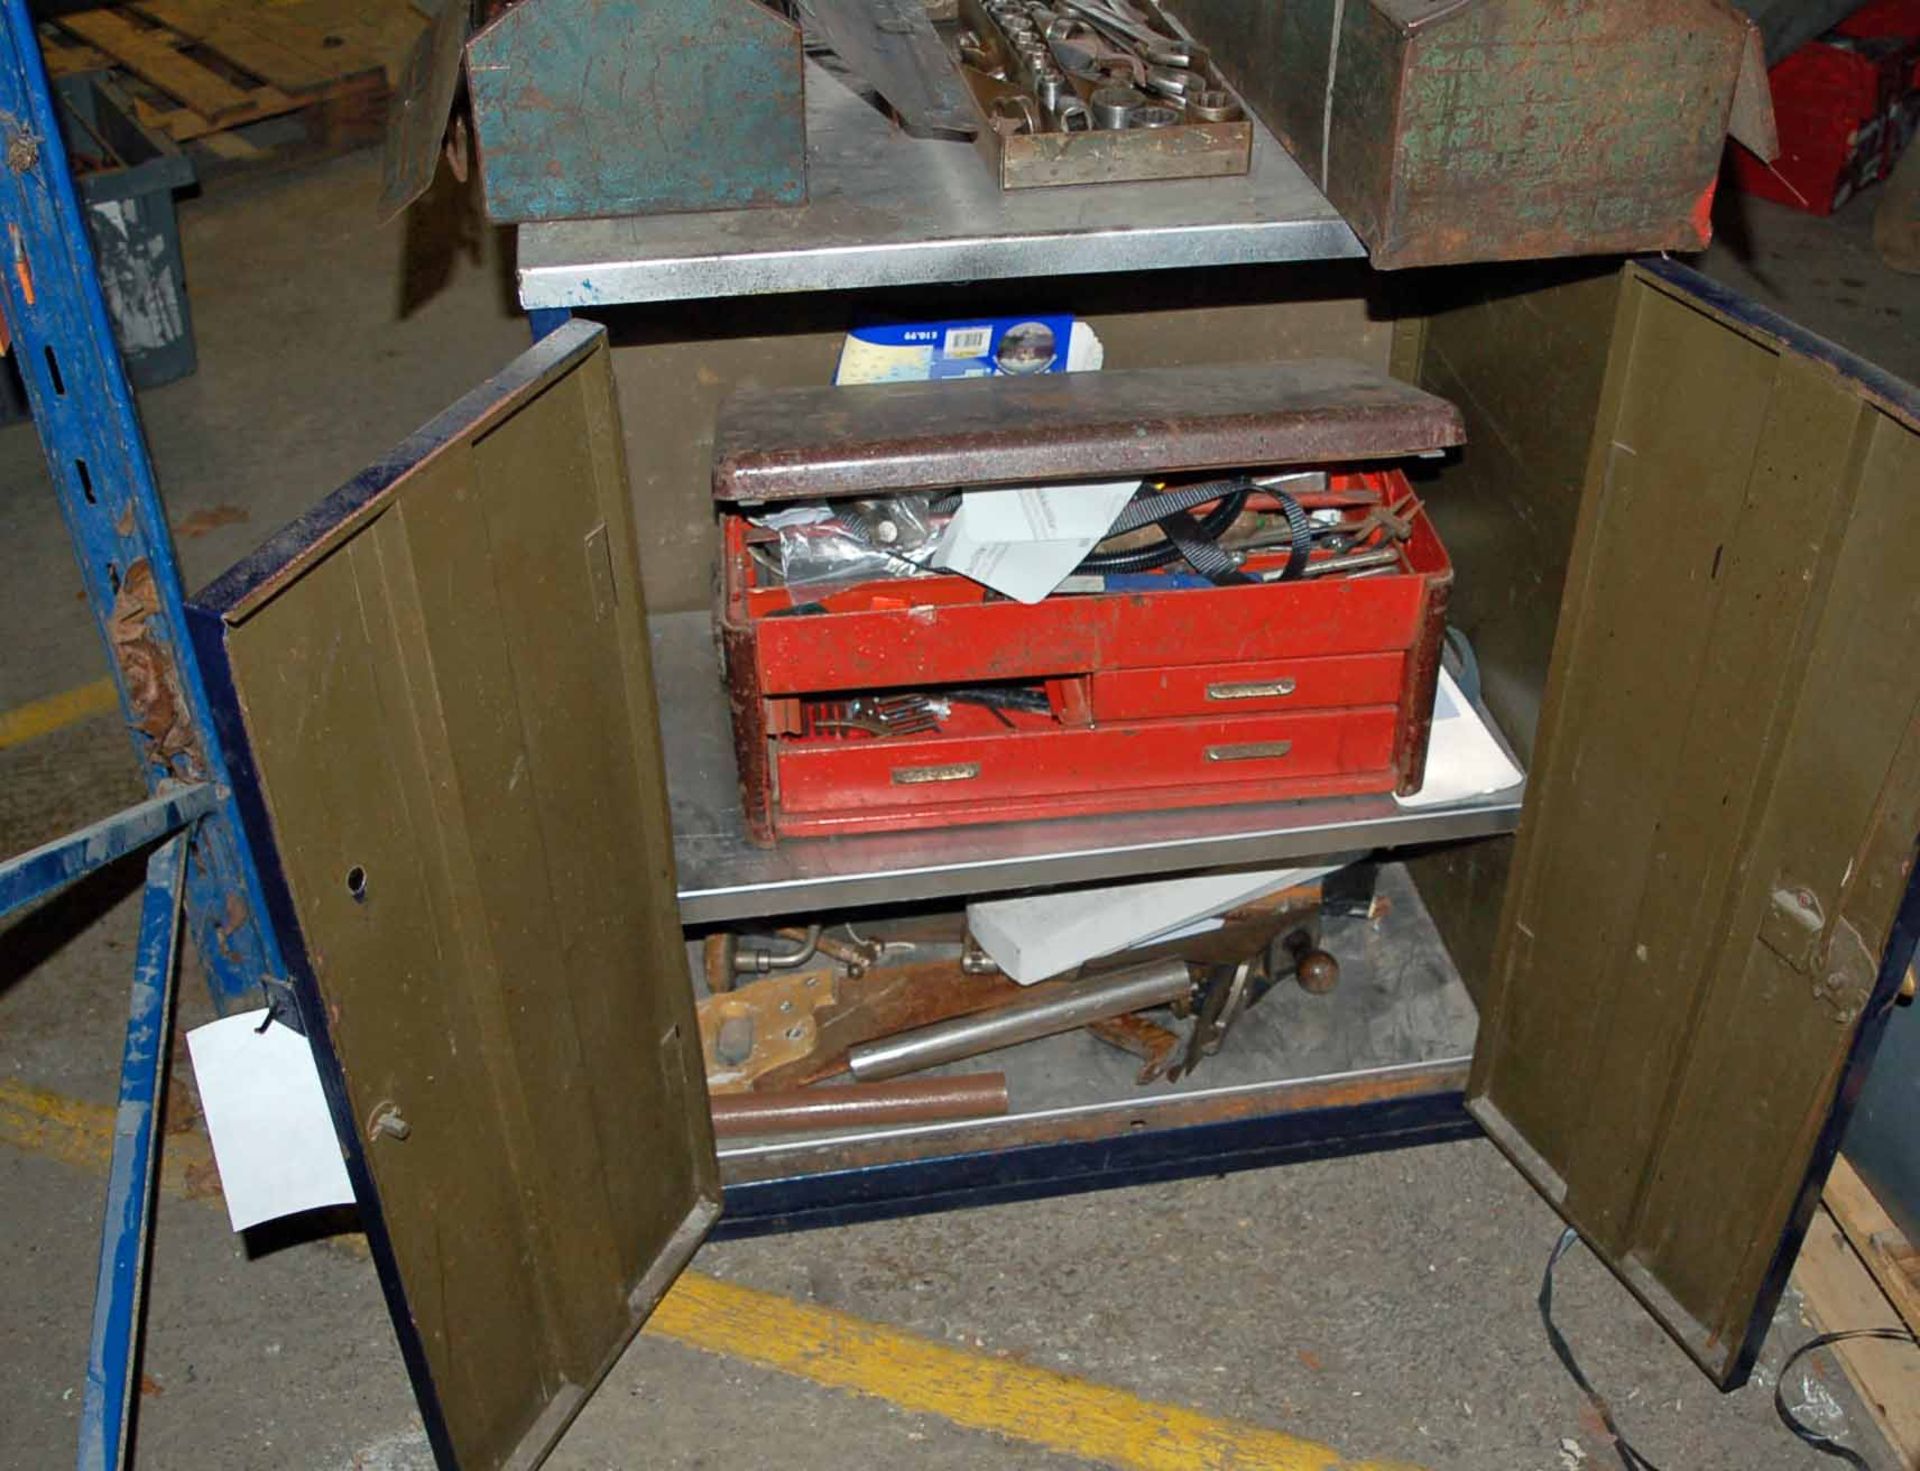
1826,1445
1630,1458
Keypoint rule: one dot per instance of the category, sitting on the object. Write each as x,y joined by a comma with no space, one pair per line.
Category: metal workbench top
725,877
889,210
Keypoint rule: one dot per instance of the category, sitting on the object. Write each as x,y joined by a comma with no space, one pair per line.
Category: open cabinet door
442,716
1709,909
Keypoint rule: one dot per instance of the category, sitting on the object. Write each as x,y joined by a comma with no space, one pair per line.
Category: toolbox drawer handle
1249,751
1257,690
910,776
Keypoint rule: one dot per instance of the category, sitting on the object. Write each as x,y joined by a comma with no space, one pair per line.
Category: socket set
1096,91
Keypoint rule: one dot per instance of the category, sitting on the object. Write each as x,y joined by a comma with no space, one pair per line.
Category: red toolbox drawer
1187,696
1247,688
978,766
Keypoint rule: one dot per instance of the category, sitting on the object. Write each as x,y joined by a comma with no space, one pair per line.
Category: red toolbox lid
806,443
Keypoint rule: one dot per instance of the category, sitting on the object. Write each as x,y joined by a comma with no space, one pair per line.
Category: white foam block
1046,934
1463,758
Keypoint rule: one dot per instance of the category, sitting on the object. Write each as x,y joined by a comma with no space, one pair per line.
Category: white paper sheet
1047,934
1024,542
1463,758
273,1138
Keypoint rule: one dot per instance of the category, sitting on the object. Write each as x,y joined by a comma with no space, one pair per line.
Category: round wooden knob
1317,972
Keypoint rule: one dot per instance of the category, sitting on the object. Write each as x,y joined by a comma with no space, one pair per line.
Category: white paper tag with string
272,1133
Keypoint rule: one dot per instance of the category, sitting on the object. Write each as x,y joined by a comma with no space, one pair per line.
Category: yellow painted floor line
37,718
1057,1412
1039,1407
81,1134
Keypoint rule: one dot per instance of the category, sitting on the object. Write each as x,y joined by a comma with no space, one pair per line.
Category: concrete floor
1384,1305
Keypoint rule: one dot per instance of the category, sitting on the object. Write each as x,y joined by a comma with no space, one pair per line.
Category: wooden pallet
1856,1270
1893,1260
209,66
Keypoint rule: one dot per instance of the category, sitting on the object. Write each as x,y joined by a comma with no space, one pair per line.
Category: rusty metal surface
861,1105
1048,157
594,108
154,704
892,45
417,115
1460,130
1751,122
1134,155
1423,680
1156,1046
752,754
760,1026
886,998
691,357
895,999
784,444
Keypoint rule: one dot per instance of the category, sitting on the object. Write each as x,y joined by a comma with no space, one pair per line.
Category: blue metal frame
97,456
35,874
543,321
1037,1171
125,1235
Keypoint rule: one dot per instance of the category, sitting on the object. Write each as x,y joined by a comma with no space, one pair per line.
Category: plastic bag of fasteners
863,540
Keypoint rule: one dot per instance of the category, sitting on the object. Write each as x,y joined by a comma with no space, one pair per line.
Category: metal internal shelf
725,877
889,210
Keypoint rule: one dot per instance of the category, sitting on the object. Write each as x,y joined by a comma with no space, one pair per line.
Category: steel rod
854,1105
1137,989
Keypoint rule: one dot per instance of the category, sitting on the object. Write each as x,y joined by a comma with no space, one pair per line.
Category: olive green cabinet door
1708,911
439,696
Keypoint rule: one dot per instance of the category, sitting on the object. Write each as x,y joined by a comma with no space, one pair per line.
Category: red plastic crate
1845,105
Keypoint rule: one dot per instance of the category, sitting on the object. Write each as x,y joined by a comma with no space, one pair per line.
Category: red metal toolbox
1124,699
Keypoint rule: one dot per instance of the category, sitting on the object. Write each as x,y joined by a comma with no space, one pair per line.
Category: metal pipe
765,962
1144,986
1353,564
807,1110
